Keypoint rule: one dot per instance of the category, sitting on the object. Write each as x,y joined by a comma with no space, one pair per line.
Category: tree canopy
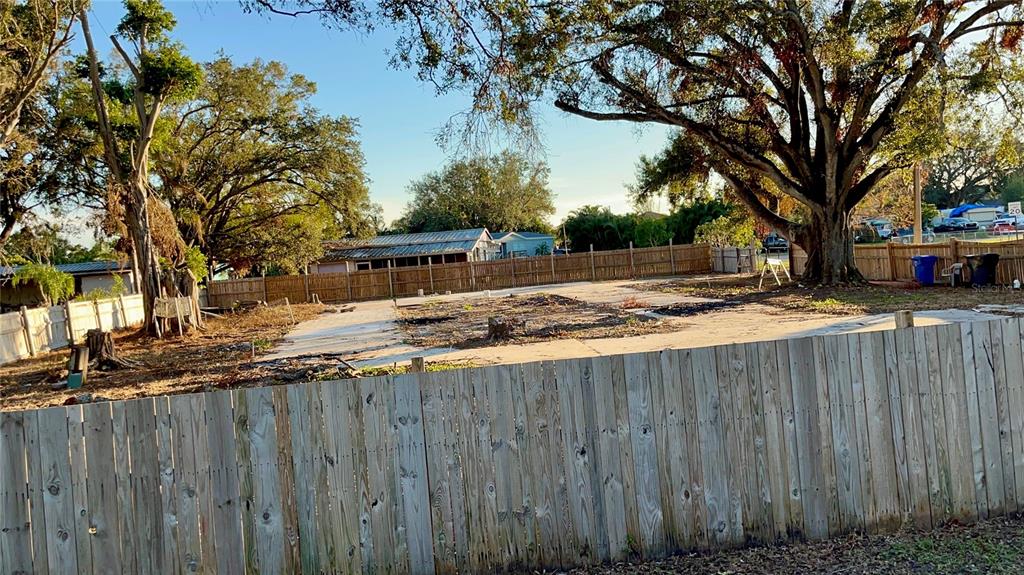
818,101
599,227
254,174
505,192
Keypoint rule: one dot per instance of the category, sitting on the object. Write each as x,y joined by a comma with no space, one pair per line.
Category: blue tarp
961,210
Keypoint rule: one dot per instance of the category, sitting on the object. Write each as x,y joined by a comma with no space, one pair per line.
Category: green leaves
55,285
167,72
145,20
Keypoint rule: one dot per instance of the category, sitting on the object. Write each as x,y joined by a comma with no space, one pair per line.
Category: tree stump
102,352
503,328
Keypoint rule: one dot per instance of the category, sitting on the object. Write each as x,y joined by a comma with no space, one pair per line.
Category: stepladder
773,266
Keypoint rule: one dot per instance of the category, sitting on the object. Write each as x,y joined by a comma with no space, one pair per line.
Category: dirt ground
219,356
463,324
994,547
841,301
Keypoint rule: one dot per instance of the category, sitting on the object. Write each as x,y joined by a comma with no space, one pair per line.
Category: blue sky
399,116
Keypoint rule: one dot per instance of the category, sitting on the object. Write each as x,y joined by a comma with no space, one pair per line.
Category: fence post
266,299
124,313
632,268
892,261
593,270
417,365
430,271
671,256
96,312
28,332
552,265
472,276
305,283
513,269
391,286
954,250
67,323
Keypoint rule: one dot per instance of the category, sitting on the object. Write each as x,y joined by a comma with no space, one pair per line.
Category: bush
105,293
732,230
55,285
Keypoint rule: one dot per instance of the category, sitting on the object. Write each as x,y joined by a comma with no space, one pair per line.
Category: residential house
402,250
524,244
89,276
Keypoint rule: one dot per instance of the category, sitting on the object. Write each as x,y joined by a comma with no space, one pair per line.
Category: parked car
956,225
906,235
1004,226
775,243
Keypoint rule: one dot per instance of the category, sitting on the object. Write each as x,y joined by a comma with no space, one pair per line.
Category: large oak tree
818,101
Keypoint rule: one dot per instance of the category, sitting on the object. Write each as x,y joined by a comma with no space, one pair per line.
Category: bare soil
219,356
463,324
841,301
993,547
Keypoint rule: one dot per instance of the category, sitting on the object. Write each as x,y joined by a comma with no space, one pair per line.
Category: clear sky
591,162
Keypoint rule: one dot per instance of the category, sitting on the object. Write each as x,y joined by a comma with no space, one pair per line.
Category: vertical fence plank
610,480
266,494
1001,372
312,489
844,437
577,460
101,486
474,483
672,449
896,372
808,438
794,505
934,418
57,492
860,423
645,454
15,523
224,489
974,421
586,414
714,465
538,429
350,515
286,473
413,473
1015,359
147,518
79,492
775,438
442,533
958,436
125,515
383,519
523,459
165,461
727,378
35,481
824,417
879,423
989,418
762,499
186,471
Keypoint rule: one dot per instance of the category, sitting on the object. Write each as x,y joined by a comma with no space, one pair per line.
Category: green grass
983,553
431,366
262,344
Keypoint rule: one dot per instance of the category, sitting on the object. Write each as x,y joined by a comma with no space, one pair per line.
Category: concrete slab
370,334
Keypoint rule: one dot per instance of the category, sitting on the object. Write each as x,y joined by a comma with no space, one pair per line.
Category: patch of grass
262,344
967,553
431,366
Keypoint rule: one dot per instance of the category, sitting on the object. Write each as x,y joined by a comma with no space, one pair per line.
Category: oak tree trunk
149,266
828,240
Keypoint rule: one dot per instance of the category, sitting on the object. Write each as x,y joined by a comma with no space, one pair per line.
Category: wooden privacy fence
891,261
534,465
466,276
30,331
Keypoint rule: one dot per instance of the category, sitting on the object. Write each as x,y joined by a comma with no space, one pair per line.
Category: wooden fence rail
534,465
891,261
468,276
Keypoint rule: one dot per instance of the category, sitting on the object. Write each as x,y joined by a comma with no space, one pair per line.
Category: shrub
55,285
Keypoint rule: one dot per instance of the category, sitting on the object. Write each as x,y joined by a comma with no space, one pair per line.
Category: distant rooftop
525,235
82,268
405,245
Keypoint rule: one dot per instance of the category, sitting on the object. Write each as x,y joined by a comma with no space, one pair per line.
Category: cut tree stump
102,352
502,328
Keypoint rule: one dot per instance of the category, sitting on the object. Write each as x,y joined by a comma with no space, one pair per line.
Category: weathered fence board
547,464
484,275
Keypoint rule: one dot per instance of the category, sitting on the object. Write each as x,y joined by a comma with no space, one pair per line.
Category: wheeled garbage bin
924,269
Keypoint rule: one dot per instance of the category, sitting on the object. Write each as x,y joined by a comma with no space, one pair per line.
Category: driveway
370,334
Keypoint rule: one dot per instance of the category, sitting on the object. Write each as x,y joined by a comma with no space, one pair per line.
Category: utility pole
918,224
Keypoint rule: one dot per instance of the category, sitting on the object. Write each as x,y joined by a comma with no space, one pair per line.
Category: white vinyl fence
30,331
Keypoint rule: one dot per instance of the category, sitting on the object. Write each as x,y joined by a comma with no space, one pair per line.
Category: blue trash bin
924,269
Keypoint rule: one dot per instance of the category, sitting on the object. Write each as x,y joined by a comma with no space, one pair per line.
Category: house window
360,266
